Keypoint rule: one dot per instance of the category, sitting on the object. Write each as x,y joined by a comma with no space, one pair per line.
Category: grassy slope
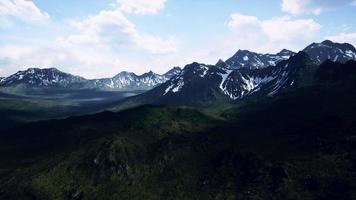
300,145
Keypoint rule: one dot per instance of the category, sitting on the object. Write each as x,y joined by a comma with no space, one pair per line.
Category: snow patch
223,79
251,83
168,89
205,70
175,87
178,87
279,84
351,54
336,57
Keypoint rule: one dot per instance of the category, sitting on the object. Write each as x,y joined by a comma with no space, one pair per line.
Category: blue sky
99,38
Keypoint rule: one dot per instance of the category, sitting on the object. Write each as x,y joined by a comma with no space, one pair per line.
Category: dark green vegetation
18,106
300,144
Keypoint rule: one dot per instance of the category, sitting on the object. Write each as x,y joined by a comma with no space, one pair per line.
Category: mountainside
244,58
335,72
328,50
47,78
244,82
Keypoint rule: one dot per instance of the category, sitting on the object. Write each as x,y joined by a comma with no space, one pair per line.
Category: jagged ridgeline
53,78
245,75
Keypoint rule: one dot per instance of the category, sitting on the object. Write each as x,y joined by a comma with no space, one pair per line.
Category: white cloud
240,21
25,10
298,7
87,61
249,32
344,37
111,27
100,46
285,29
15,52
141,7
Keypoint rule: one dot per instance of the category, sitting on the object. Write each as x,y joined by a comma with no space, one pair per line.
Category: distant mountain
244,58
131,81
329,50
173,72
243,75
36,77
50,78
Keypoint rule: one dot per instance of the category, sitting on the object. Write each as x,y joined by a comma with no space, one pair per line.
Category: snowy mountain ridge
52,77
245,58
241,77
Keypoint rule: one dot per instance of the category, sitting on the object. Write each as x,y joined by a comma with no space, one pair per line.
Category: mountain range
245,74
54,78
131,81
230,81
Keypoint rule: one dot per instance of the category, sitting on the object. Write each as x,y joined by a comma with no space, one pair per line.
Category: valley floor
17,108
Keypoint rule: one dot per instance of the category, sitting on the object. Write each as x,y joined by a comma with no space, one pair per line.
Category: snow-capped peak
41,77
131,81
173,72
248,59
328,50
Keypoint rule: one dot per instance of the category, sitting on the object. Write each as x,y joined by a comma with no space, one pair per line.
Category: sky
100,38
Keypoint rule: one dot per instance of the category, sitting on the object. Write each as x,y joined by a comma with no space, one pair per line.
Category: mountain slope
335,72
